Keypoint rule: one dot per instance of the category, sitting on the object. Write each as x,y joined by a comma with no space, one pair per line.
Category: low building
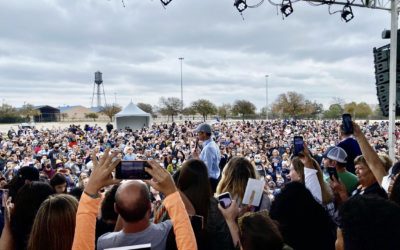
47,114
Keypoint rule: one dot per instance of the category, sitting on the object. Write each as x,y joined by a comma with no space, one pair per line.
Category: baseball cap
337,154
204,127
325,155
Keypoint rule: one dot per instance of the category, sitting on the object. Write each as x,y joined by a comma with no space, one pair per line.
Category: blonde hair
54,225
235,176
386,161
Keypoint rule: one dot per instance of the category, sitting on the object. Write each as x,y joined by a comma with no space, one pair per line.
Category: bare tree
29,111
224,110
92,115
243,108
204,107
170,106
145,107
111,110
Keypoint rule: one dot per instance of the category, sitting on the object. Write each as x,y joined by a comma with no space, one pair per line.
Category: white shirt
312,183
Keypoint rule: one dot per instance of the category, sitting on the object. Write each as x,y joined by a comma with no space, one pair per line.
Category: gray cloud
49,51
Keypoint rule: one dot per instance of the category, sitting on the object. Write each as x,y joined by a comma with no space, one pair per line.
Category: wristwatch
93,196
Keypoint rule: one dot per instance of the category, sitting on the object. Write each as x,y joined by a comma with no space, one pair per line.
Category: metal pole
181,59
266,96
392,79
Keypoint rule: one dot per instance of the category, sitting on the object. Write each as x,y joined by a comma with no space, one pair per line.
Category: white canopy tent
133,117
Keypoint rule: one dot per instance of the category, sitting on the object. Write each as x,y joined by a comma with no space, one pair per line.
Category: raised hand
101,175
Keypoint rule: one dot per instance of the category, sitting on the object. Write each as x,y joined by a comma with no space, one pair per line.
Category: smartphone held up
347,124
298,144
133,170
225,200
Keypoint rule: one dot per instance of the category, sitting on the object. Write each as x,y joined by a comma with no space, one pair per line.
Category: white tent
133,117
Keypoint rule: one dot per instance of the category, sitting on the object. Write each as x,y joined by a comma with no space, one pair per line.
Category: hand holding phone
332,173
225,200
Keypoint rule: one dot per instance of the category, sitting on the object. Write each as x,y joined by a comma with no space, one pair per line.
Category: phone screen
347,124
225,200
132,170
298,145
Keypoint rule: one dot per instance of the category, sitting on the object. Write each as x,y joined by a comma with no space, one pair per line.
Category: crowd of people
341,191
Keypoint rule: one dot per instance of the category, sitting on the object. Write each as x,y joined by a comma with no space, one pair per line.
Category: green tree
92,115
9,114
358,110
363,110
225,110
170,106
189,111
350,108
145,107
29,111
204,107
334,111
243,108
290,104
110,110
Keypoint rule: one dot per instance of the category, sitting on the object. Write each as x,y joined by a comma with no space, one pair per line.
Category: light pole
266,96
181,59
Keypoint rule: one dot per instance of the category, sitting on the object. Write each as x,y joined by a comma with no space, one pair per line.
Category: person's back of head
27,203
54,225
132,201
235,176
258,231
369,223
299,216
25,175
108,213
194,183
298,166
343,132
59,183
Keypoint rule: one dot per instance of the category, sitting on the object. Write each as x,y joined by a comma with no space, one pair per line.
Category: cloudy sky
50,49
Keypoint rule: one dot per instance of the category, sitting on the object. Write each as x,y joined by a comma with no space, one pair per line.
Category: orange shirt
88,208
85,229
184,235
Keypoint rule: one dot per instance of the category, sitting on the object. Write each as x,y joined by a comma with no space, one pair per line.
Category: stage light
240,5
165,2
286,8
347,13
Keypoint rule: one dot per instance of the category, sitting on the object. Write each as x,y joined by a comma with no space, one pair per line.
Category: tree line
10,114
286,105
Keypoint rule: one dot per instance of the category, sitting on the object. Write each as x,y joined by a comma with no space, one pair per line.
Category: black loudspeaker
382,63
